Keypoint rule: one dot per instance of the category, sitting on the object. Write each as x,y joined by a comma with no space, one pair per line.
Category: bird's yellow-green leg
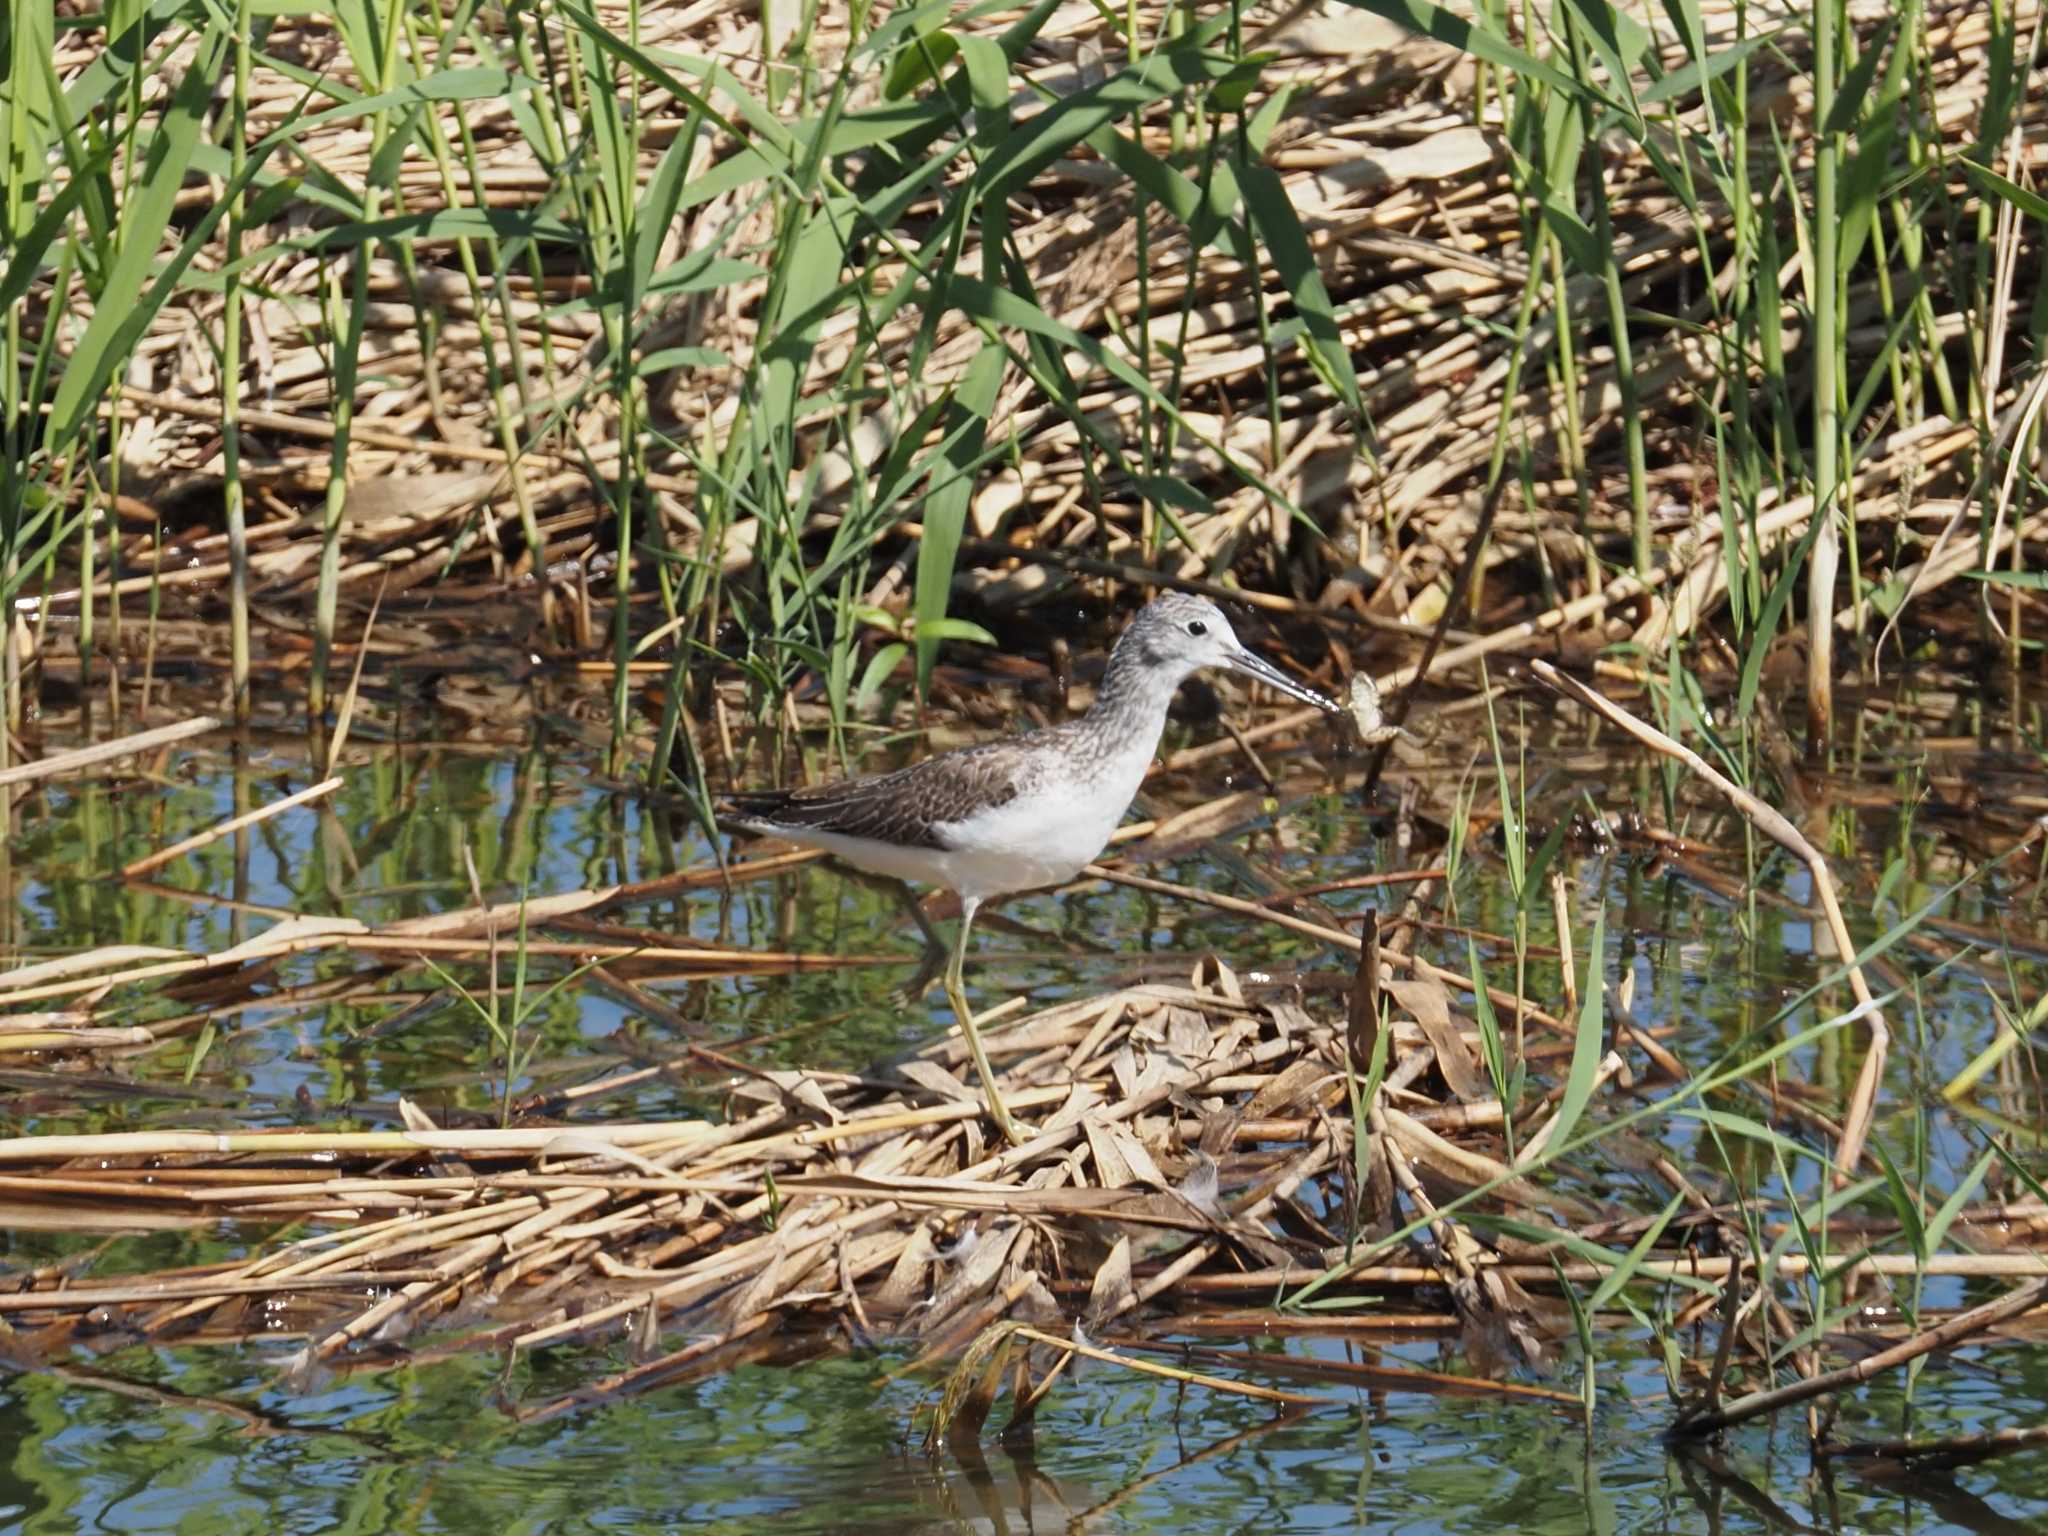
956,995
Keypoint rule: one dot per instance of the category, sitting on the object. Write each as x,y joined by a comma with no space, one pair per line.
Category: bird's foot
929,968
1015,1131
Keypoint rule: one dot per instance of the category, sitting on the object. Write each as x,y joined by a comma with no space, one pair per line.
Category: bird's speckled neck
1129,712
1142,674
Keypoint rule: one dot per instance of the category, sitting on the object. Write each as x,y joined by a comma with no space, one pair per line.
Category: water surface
122,1437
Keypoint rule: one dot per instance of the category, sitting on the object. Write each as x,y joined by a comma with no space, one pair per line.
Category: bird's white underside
1042,837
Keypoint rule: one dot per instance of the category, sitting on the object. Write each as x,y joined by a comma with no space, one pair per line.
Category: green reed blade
111,333
945,509
1587,1047
1279,226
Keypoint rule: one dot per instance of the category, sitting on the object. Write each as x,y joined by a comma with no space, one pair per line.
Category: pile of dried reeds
1192,1141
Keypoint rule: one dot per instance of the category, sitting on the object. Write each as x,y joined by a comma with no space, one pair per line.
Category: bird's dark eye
1197,627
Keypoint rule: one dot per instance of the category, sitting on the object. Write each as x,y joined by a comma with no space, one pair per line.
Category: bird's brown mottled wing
905,807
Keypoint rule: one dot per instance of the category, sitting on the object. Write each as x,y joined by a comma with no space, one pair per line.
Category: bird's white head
1177,634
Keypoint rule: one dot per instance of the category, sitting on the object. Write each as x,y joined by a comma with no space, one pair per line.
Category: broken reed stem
38,1149
345,716
1724,1346
1863,1099
1789,1266
1560,910
85,1298
1171,1373
108,751
1976,1320
1335,936
1953,1451
228,828
1375,1375
704,962
1452,1246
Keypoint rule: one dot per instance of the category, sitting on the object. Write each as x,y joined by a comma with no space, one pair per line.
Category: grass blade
945,509
110,336
1587,1048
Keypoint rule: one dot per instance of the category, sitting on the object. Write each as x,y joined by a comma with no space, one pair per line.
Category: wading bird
1023,812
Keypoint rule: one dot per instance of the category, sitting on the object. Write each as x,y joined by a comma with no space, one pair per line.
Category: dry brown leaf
904,1286
929,1074
798,1089
1188,1035
1110,1293
1111,1170
1294,1085
974,1272
759,1292
413,1117
1429,1004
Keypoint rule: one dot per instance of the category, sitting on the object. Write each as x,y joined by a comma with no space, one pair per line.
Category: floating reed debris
151,740
1187,1138
480,932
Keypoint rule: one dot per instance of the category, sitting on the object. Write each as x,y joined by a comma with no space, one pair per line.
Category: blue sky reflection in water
195,1439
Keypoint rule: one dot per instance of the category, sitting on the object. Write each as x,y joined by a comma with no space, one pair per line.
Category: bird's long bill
1253,665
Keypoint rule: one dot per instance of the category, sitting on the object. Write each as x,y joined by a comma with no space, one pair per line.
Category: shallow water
821,1448
191,1438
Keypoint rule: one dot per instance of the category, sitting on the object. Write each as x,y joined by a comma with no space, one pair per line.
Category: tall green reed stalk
371,37
1824,294
235,502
